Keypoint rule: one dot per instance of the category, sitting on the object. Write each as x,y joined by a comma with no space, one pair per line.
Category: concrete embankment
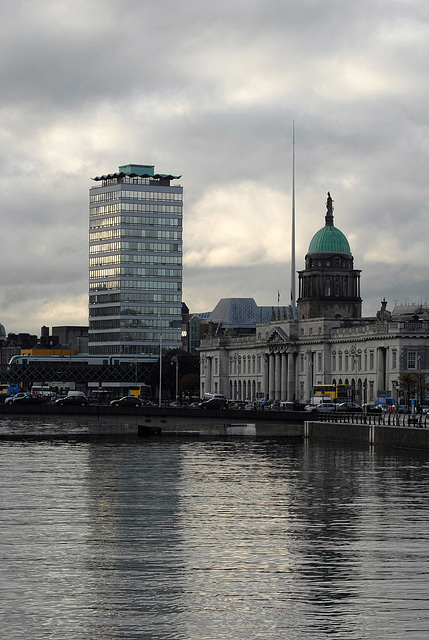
372,434
95,422
221,423
129,423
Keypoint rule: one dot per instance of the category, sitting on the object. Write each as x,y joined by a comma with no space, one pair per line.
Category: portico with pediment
280,365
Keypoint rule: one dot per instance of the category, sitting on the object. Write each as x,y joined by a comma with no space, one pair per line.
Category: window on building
334,362
371,360
346,363
371,391
411,360
394,359
319,362
340,362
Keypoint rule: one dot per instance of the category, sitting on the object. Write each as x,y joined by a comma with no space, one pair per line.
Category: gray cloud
209,91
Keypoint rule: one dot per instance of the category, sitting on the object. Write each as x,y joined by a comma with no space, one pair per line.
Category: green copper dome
329,239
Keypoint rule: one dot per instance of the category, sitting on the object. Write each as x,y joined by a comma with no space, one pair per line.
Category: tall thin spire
292,261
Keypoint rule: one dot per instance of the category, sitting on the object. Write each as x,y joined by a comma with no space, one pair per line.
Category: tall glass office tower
135,262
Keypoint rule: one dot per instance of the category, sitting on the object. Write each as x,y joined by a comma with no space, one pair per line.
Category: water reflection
213,539
287,536
134,562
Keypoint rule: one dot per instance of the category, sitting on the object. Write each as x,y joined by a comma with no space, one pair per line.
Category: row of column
279,379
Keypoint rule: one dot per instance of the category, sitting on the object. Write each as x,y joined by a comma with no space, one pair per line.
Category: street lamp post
237,376
160,370
175,360
354,366
419,383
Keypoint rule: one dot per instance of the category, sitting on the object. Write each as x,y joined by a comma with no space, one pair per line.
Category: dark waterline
229,539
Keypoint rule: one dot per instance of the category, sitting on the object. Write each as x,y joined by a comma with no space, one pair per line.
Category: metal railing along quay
383,419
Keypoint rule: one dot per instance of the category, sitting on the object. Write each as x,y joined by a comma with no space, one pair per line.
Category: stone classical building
326,342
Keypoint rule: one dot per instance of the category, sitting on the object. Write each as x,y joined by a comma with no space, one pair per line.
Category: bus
8,390
332,392
106,391
142,391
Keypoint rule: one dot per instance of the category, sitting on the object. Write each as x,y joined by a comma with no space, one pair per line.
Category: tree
187,364
413,385
190,383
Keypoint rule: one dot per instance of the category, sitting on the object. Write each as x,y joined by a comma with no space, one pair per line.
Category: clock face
337,260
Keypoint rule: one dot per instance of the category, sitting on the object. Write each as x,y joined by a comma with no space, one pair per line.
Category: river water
213,539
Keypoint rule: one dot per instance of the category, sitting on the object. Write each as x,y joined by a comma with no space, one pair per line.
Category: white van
210,396
76,394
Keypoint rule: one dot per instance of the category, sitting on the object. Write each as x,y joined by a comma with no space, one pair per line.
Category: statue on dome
329,206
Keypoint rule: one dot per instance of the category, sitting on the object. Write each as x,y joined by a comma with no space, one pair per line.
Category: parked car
127,401
80,401
387,408
403,408
327,406
371,408
287,406
213,403
350,407
77,394
323,406
29,398
10,399
236,404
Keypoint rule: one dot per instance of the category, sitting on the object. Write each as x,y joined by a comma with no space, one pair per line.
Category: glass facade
135,256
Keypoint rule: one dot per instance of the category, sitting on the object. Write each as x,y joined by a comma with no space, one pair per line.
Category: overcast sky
209,91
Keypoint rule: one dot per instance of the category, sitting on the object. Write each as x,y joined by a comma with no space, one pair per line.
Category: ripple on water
213,539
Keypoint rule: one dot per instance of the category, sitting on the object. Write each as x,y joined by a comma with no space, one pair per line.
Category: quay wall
62,422
53,421
381,435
